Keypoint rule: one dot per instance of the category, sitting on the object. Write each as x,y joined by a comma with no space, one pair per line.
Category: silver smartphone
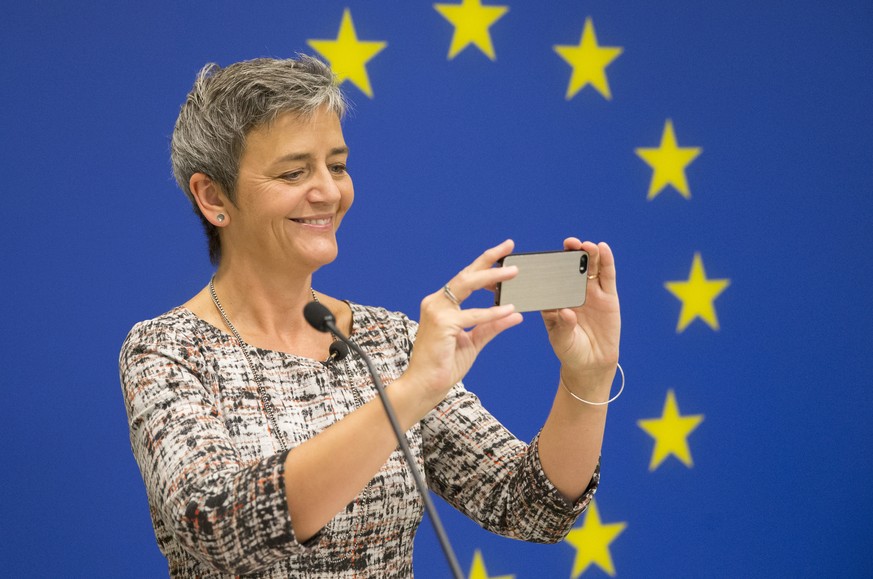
546,280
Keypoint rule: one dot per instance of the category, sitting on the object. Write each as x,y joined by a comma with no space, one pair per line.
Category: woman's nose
324,186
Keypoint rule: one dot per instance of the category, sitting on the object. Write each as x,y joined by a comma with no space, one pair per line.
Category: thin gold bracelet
620,390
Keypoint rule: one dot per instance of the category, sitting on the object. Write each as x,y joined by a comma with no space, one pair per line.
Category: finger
466,281
560,317
484,333
601,263
593,259
471,281
572,244
607,268
475,316
491,256
462,285
575,244
567,317
550,319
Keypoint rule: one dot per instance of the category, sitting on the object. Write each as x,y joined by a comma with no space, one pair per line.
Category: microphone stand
323,322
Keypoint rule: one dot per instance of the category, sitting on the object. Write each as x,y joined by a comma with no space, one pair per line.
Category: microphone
338,350
320,318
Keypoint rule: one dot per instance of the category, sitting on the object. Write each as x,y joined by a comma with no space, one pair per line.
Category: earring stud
220,217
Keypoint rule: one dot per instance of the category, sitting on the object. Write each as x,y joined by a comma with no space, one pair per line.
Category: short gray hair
225,104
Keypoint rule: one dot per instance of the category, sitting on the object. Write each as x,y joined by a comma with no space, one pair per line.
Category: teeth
313,221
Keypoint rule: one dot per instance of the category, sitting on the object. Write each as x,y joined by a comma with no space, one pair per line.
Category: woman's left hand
585,339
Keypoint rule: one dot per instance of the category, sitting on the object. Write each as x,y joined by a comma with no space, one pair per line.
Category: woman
261,457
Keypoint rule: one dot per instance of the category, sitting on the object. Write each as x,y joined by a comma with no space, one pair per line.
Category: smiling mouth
322,221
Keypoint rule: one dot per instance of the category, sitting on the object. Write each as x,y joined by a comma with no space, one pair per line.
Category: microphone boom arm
320,318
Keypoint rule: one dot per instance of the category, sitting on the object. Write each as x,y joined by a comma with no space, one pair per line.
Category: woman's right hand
449,337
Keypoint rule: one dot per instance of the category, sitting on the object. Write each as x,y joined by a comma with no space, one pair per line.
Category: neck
260,306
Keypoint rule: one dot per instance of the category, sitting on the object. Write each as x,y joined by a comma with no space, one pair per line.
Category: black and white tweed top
214,472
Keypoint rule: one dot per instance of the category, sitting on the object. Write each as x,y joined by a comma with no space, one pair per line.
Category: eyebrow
304,156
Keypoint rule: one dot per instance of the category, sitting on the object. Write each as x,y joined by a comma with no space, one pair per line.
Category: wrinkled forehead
293,134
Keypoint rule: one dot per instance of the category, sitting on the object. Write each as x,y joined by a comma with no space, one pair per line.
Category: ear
210,199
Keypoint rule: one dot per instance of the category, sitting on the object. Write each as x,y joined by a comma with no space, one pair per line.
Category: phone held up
546,280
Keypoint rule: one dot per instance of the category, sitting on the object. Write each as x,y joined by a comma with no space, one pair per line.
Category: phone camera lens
583,263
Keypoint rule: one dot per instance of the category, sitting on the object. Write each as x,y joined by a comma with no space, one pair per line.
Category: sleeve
228,515
480,468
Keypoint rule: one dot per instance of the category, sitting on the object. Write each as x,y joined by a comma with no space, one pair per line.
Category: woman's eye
339,168
292,176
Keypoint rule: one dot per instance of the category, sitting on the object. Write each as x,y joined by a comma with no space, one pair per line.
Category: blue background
449,157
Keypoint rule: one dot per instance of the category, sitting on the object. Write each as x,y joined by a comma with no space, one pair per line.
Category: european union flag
724,150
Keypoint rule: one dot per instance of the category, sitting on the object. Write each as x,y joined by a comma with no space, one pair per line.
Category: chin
325,257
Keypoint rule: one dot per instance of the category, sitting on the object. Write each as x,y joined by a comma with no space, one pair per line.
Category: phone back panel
545,281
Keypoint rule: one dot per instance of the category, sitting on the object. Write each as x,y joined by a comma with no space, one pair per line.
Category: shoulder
175,333
373,317
172,353
375,323
169,326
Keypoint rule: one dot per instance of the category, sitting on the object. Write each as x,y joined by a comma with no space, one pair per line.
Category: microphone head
318,316
338,351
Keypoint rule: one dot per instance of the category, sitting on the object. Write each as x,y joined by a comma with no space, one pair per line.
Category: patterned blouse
214,471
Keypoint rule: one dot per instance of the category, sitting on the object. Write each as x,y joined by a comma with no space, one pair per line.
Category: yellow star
478,571
347,55
668,163
670,433
697,295
471,21
591,542
589,62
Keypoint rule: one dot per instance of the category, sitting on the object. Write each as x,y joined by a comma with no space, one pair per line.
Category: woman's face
293,190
